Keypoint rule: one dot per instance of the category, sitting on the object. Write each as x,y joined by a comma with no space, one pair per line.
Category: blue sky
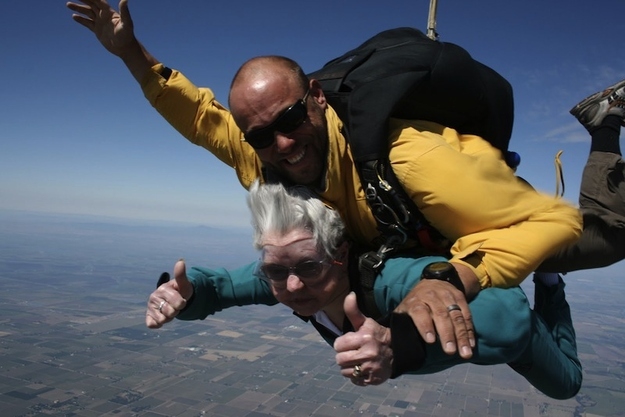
77,136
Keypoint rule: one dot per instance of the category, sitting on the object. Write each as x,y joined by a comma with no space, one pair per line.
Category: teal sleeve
501,317
218,289
398,276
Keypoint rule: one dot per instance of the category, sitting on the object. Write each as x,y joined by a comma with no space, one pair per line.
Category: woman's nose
293,283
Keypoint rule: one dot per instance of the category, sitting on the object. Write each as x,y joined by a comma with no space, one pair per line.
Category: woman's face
310,282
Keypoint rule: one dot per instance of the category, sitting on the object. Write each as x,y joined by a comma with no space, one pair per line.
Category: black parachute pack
401,73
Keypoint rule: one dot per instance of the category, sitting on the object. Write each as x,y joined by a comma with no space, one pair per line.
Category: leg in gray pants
602,193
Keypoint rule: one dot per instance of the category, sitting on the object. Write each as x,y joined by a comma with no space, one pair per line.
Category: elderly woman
307,264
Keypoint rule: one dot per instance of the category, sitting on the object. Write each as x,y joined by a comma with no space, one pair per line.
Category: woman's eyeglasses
287,122
305,271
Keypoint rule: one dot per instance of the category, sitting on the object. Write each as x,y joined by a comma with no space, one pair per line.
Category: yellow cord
559,175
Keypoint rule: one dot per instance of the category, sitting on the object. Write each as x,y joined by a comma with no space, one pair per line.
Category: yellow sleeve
501,227
197,116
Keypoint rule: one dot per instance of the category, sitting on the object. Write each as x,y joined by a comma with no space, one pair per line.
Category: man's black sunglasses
288,121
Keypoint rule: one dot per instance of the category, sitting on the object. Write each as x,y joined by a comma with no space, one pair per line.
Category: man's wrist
472,285
443,271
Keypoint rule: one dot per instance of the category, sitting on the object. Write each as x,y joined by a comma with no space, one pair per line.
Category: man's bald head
259,74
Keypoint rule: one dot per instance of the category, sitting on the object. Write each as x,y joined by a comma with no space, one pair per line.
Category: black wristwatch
443,271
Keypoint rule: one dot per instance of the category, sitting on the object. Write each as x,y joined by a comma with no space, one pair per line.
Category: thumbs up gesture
170,297
364,355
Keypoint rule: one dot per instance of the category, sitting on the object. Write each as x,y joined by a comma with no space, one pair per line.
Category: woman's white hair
276,209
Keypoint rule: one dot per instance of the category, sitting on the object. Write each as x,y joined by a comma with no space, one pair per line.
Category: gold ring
160,306
357,372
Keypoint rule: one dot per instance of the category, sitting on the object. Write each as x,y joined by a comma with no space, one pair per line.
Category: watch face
443,271
439,267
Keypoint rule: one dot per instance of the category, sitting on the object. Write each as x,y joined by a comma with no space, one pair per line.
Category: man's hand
115,31
169,298
431,305
365,356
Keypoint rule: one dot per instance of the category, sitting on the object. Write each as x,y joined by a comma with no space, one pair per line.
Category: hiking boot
593,109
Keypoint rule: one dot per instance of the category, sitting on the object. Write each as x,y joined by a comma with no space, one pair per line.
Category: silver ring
357,372
453,307
160,306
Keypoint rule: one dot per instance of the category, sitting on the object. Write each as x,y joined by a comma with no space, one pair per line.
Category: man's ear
316,92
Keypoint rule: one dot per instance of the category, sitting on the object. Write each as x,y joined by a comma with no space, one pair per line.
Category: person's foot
593,109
